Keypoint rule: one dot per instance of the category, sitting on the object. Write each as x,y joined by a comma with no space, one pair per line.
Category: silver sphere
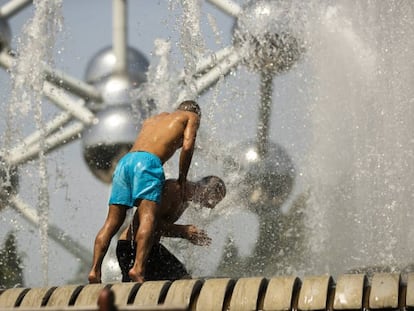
9,182
271,32
262,180
102,65
5,34
115,88
107,141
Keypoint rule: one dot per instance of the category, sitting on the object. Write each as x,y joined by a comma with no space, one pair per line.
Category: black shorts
161,264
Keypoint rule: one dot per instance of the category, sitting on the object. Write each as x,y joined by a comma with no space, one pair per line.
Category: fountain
358,160
322,176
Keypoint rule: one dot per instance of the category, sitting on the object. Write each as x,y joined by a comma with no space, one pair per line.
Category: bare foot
94,277
136,277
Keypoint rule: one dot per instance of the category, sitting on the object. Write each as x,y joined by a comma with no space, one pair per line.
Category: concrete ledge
387,291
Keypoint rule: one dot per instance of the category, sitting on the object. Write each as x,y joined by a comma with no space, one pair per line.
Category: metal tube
219,70
67,103
78,87
119,36
265,111
13,7
27,149
54,232
49,128
227,6
52,142
209,61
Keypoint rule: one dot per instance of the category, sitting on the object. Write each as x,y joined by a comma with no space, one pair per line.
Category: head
190,105
209,191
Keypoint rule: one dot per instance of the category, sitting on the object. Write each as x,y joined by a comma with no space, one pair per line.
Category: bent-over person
139,178
161,263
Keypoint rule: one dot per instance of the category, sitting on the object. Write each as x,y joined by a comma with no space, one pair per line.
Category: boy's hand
197,236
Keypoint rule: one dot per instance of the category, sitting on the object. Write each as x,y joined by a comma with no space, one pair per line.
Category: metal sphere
271,32
102,66
262,180
107,141
9,182
115,90
5,34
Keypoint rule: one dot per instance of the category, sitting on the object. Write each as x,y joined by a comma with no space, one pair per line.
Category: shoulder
161,115
186,114
156,117
185,118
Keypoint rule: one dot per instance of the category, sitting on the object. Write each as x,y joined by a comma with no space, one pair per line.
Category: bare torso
164,133
171,208
172,205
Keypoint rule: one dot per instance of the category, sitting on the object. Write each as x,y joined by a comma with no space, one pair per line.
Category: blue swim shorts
138,175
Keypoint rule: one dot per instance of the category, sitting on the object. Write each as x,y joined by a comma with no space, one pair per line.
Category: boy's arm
190,134
188,232
171,230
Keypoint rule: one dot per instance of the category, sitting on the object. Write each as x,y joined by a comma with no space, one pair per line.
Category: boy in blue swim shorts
138,181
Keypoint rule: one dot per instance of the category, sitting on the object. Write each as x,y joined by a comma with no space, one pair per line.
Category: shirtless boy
161,264
139,178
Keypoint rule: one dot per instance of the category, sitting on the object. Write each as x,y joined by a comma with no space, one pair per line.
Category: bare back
172,204
171,209
164,133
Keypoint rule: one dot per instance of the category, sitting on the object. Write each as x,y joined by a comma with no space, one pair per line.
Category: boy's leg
147,213
114,220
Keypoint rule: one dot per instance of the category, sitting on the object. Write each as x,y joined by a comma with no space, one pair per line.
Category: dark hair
214,182
190,105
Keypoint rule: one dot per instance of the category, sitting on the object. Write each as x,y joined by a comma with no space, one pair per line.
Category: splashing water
160,86
359,162
191,37
35,47
356,79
